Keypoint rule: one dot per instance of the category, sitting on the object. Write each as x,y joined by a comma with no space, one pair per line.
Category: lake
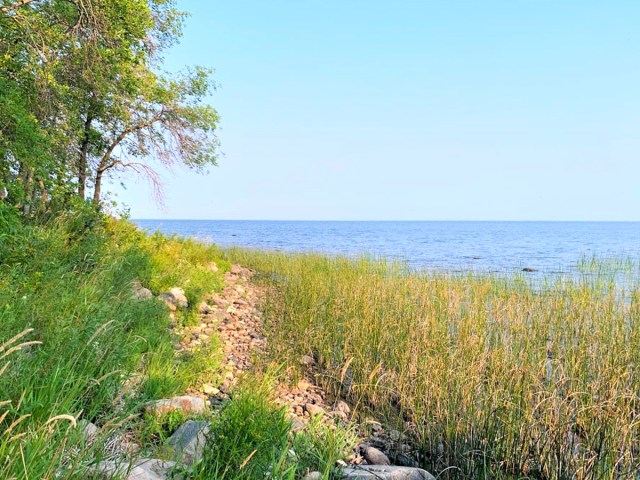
547,247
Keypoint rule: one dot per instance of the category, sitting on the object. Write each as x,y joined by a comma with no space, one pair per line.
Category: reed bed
493,377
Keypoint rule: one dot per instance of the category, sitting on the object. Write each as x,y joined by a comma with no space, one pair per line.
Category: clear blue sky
414,110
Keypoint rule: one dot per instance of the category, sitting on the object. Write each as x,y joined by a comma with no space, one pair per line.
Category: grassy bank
496,378
76,346
74,343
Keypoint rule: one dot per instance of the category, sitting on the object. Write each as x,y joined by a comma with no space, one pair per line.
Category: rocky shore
234,317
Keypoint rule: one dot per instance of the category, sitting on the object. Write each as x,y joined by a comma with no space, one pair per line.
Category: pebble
186,403
314,409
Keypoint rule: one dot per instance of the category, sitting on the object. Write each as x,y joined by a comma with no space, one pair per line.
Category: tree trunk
83,160
28,191
97,187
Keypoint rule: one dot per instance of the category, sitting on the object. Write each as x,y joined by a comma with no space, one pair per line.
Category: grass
492,377
90,351
252,439
76,347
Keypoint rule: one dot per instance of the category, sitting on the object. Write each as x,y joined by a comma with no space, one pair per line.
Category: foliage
251,438
100,352
497,378
82,96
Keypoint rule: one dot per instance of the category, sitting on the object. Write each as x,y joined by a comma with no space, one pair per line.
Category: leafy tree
82,97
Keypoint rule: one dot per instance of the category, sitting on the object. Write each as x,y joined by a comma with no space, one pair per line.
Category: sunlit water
500,247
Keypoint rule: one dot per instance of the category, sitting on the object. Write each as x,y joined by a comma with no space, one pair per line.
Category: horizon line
361,220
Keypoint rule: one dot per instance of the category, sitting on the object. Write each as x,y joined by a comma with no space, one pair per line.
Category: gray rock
372,455
380,472
178,294
174,298
150,469
313,476
89,430
143,469
405,460
142,294
189,441
185,403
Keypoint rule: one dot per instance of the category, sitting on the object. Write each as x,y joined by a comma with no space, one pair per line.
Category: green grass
499,378
100,353
252,439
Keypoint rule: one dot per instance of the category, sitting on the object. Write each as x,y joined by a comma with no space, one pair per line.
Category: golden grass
496,377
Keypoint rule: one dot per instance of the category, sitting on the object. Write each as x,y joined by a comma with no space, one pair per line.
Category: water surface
547,247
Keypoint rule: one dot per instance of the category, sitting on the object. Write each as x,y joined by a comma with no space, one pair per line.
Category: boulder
385,472
313,476
174,298
189,440
372,455
186,403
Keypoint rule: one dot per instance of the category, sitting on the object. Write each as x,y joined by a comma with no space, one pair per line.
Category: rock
142,294
306,360
372,455
379,472
168,300
209,389
189,441
213,267
343,407
529,269
144,469
204,308
175,298
313,476
236,269
303,385
180,298
89,430
150,469
341,415
314,409
405,460
297,425
185,403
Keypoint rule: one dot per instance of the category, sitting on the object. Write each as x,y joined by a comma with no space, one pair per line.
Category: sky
412,110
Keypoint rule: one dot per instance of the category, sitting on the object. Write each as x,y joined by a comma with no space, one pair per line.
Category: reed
493,377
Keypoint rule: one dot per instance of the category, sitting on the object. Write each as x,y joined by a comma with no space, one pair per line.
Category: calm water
548,247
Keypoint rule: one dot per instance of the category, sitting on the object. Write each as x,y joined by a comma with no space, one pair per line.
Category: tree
84,75
163,119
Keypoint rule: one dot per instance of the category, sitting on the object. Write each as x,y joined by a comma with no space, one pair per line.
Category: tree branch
15,6
104,165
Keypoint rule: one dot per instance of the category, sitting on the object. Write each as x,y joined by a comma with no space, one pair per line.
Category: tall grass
496,378
100,353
